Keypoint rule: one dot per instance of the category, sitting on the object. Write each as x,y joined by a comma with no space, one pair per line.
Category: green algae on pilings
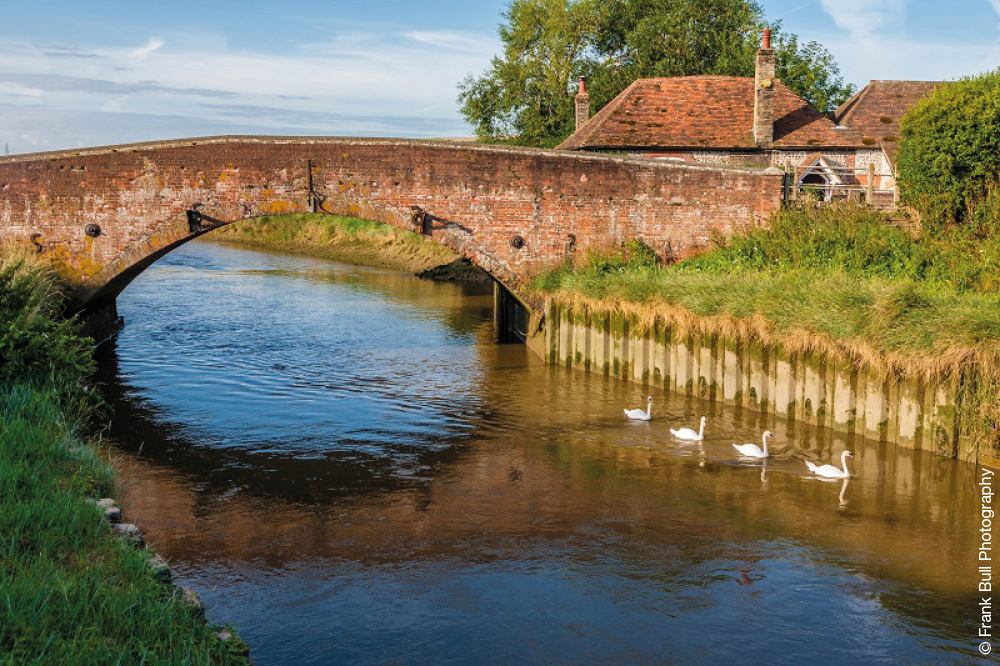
578,357
586,364
569,360
790,410
619,327
626,370
617,367
738,397
808,408
753,394
657,376
689,387
607,368
645,376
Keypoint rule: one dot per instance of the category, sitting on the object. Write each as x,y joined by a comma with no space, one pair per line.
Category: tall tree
527,94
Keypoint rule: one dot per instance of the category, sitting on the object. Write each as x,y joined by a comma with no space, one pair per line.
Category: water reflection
358,476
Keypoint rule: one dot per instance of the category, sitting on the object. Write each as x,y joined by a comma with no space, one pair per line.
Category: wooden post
871,182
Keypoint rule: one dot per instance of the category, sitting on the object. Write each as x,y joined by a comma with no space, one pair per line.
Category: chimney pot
582,104
766,44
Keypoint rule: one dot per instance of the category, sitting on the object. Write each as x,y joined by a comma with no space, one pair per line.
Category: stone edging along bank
764,378
133,536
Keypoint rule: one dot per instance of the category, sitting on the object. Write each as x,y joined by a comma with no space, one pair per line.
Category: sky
100,72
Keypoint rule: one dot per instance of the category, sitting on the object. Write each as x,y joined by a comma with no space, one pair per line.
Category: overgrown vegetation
339,238
70,592
949,156
830,281
858,242
34,341
526,96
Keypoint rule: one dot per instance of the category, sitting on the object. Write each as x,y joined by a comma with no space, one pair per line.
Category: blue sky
94,72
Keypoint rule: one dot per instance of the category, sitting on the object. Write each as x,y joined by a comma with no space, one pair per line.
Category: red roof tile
702,112
872,116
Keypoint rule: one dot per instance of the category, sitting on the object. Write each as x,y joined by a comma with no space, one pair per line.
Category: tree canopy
949,155
526,96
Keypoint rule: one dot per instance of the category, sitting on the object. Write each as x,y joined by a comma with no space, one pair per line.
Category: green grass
340,238
889,316
837,271
70,592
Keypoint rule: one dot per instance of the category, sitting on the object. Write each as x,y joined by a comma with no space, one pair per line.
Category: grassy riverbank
70,591
835,283
339,238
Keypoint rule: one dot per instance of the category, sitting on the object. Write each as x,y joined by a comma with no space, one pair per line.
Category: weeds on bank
858,242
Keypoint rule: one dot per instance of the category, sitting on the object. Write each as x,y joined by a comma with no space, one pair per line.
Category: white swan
638,414
752,450
829,471
687,433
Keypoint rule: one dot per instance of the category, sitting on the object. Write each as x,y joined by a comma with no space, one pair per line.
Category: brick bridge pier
103,215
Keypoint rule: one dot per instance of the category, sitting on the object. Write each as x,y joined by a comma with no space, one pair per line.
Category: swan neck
765,445
843,460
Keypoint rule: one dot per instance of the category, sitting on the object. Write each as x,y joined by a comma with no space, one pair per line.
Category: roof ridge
582,134
851,105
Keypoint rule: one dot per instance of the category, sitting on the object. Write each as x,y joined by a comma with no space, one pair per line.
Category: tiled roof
872,116
702,112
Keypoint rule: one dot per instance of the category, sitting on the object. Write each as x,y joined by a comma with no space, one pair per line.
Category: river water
346,467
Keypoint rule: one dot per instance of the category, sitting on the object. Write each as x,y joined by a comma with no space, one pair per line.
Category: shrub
949,155
34,340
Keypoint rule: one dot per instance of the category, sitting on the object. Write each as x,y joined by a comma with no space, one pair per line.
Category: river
346,467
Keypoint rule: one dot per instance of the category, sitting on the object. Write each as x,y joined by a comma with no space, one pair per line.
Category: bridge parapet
105,214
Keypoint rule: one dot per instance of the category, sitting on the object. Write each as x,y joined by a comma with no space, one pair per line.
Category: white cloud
18,90
996,6
862,19
899,58
377,83
154,44
456,41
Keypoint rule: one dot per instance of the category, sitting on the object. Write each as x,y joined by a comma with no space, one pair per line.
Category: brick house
757,121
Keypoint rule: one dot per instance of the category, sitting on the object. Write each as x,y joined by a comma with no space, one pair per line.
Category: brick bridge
105,214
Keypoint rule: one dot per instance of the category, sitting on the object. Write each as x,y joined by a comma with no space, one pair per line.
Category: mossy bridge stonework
105,214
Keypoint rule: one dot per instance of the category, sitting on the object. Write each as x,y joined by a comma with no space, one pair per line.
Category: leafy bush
949,156
35,342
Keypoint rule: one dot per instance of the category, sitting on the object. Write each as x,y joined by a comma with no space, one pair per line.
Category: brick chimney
763,94
582,104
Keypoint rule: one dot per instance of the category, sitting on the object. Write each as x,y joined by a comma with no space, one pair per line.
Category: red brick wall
478,198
